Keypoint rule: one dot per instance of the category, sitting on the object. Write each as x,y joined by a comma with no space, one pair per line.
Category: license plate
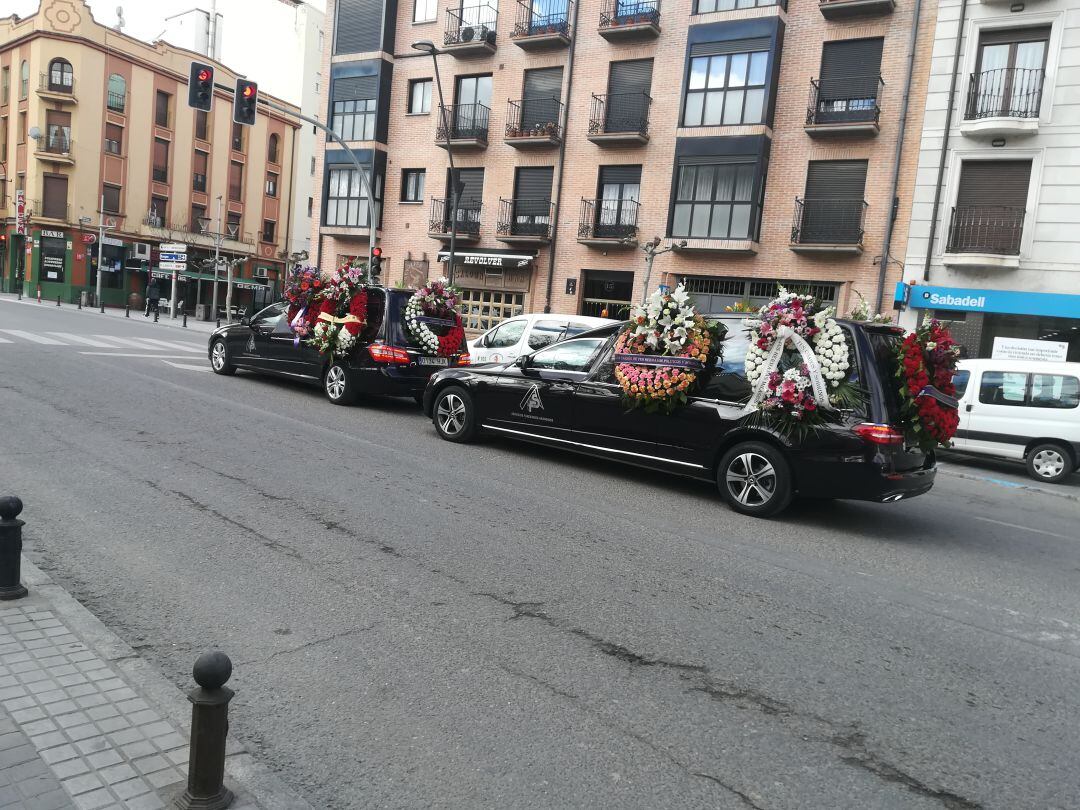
433,361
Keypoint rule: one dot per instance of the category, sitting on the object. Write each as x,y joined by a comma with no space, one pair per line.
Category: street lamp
651,252
427,46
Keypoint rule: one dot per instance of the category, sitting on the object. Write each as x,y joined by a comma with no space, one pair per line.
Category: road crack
315,642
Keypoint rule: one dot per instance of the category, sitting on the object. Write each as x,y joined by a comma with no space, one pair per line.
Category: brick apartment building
91,115
761,134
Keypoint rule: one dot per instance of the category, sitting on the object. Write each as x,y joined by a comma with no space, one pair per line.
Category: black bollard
219,323
11,548
79,301
209,724
184,324
58,300
127,310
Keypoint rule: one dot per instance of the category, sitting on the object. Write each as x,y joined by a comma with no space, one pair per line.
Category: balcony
56,148
468,220
116,102
1005,101
542,25
56,90
608,223
470,31
845,9
463,126
153,219
848,106
986,236
48,211
534,123
619,119
822,226
630,20
525,221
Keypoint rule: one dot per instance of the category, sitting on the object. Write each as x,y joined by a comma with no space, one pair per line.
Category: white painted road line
85,341
130,343
33,338
146,356
5,340
1022,528
184,347
187,366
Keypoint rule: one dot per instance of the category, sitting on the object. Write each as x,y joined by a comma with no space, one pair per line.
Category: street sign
89,238
173,257
20,212
172,265
172,247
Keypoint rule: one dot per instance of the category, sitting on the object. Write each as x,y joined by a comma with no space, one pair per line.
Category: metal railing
470,24
36,209
1005,93
543,17
463,122
45,83
620,113
198,182
153,219
847,100
608,219
468,216
525,216
116,102
57,144
828,222
534,118
161,174
617,13
993,229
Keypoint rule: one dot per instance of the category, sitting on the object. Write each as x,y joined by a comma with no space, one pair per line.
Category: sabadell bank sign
948,300
1013,302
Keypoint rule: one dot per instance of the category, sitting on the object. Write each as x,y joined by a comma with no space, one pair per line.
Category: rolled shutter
473,182
994,182
540,93
55,194
851,58
620,175
630,77
1006,36
533,182
358,26
836,179
833,206
354,88
730,46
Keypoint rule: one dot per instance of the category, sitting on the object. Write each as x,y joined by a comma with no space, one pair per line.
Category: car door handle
562,386
968,407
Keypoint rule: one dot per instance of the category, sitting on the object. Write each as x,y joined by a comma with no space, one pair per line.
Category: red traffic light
205,75
249,91
376,252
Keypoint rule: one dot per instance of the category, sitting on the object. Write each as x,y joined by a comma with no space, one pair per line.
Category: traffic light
200,88
375,264
243,109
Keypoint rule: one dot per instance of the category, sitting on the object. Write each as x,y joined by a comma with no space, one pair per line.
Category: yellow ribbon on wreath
332,319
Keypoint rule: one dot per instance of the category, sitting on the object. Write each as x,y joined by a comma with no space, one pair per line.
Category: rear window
960,380
544,333
884,346
728,382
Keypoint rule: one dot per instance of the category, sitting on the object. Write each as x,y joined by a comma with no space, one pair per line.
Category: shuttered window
198,171
832,210
114,139
994,182
848,58
236,181
836,179
533,182
729,46
849,80
358,28
111,195
540,97
627,107
55,190
470,197
161,160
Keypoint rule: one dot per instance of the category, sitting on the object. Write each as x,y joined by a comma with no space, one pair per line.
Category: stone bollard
11,548
209,725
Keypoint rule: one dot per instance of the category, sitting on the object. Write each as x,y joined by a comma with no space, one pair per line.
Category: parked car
1022,410
527,333
565,395
385,360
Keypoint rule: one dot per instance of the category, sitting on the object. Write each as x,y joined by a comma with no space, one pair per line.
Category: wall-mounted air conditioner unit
261,272
142,251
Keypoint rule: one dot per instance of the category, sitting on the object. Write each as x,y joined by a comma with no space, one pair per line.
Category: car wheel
338,386
755,479
1049,463
454,415
219,358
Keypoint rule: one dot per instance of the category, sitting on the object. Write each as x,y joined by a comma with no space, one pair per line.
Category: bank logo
531,401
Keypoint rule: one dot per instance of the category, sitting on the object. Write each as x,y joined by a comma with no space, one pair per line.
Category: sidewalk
198,327
87,724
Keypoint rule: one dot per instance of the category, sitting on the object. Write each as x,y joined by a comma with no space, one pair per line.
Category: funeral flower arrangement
328,312
432,319
301,287
659,357
927,362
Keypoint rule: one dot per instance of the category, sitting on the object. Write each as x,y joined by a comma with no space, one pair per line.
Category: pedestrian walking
153,295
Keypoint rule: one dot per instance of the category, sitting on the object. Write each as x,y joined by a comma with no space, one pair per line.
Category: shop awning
240,284
495,259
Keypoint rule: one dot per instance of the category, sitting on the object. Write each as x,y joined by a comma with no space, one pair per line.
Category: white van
527,333
1028,411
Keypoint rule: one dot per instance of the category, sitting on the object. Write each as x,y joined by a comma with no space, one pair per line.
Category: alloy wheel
451,414
335,382
751,479
1048,463
217,356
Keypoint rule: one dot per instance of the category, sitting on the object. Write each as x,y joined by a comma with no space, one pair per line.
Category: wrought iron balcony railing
526,217
463,122
994,229
56,84
470,25
608,219
542,17
468,216
828,222
847,100
620,113
534,118
117,102
57,143
1005,93
618,13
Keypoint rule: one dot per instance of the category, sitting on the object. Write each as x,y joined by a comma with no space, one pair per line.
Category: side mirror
522,362
245,321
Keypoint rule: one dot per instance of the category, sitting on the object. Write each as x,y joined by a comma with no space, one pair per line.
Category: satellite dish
119,17
35,133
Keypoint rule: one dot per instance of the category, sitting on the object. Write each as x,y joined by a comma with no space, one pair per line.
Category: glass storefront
52,257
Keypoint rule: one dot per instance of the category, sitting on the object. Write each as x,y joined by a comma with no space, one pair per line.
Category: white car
1023,410
525,334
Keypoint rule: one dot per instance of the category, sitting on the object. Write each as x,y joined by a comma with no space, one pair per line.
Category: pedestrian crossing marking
115,342
83,340
186,366
48,341
5,340
129,343
184,347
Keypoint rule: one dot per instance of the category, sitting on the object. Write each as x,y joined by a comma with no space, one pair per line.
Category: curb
256,780
165,321
989,479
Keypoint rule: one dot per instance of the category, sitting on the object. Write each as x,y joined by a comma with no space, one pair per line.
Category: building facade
995,234
95,128
758,137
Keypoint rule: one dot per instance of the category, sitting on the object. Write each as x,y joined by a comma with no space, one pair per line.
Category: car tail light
381,353
879,434
464,360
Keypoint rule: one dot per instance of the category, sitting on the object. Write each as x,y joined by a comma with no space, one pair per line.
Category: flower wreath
798,362
667,345
927,362
435,305
301,287
335,316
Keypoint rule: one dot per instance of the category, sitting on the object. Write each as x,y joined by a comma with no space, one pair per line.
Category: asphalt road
420,624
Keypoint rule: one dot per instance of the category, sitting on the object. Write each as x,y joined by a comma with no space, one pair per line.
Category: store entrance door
607,294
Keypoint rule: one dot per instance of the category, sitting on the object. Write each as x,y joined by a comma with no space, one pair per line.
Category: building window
271,184
310,206
991,202
57,132
483,309
346,204
110,199
198,214
726,89
269,226
116,98
22,128
425,10
709,6
24,79
313,167
412,185
162,101
232,225
198,171
714,201
236,181
161,161
114,139
833,210
1009,73
420,96
354,120
237,137
5,87
159,210
202,125
272,148
61,76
